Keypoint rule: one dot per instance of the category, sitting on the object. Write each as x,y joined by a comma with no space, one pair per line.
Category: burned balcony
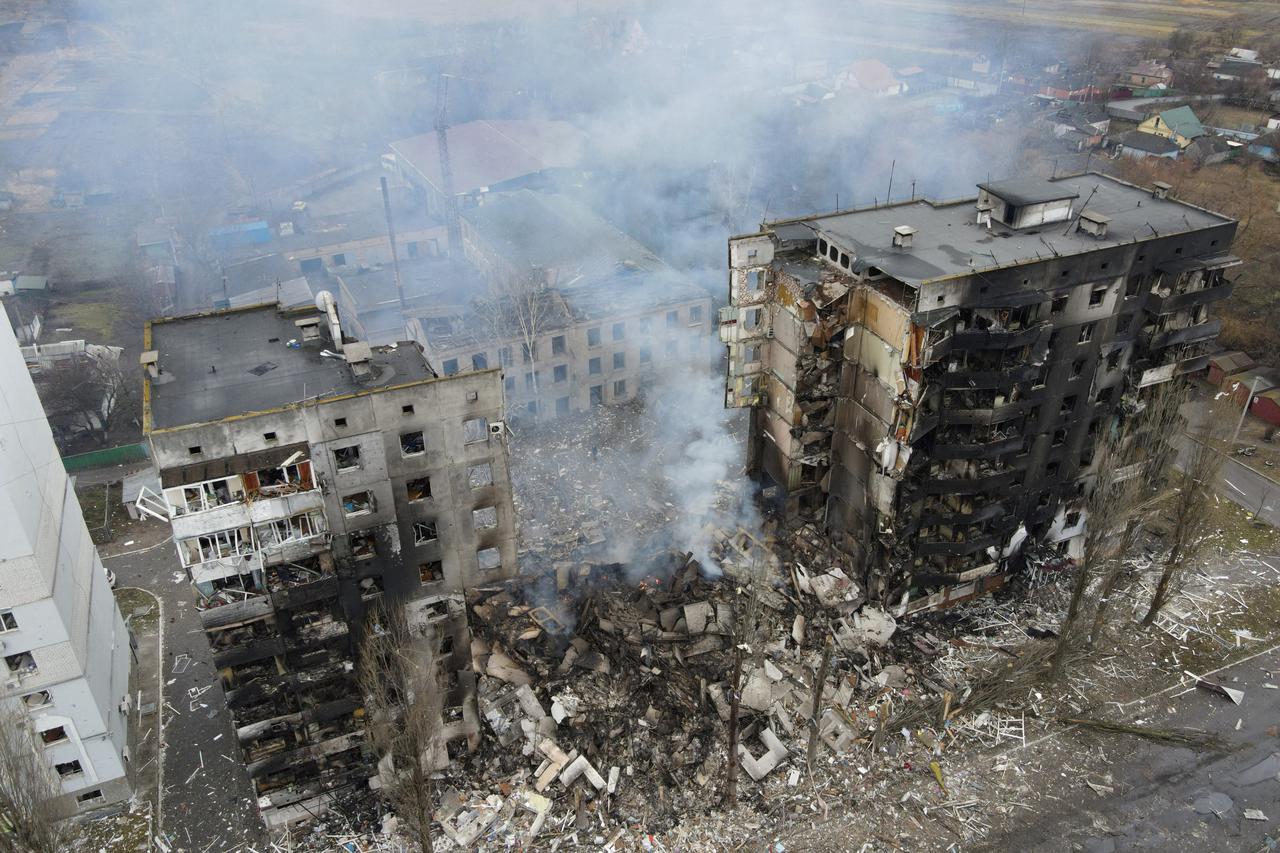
992,329
980,442
997,378
256,649
970,477
295,585
315,627
1166,302
1156,338
962,545
984,406
961,509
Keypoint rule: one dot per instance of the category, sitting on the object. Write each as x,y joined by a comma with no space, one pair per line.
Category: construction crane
452,219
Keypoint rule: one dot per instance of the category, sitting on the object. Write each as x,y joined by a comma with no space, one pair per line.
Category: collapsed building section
306,477
928,380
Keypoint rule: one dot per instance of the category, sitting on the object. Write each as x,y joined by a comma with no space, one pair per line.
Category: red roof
484,153
873,75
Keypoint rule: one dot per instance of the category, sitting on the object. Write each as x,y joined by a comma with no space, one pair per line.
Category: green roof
1183,122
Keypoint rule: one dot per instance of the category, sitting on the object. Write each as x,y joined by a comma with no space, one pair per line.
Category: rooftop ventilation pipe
902,236
324,301
1160,189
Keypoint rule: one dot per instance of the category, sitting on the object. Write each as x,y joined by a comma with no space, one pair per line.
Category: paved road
1173,798
208,801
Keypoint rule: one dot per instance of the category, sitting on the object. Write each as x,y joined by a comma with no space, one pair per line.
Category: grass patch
132,602
95,321
1237,529
98,510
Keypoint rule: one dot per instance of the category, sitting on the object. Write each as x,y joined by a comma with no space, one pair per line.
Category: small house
1138,145
1180,125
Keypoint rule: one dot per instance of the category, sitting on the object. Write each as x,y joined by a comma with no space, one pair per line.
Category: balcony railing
1158,303
1190,334
988,379
976,449
299,594
970,485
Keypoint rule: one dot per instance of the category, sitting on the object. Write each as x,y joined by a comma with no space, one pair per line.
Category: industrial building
307,477
66,648
929,379
578,313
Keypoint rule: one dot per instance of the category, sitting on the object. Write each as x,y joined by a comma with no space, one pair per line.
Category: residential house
1149,75
1267,147
869,77
1138,145
1179,124
1208,150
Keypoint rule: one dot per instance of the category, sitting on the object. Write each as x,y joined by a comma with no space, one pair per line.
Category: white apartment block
65,646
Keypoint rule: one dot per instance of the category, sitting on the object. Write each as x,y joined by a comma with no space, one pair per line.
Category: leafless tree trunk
818,684
1190,505
520,310
735,700
29,817
1149,439
403,692
1105,500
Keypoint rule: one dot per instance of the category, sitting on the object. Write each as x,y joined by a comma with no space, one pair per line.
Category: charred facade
929,379
307,477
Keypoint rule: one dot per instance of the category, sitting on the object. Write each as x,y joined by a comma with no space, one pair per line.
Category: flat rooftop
949,242
235,362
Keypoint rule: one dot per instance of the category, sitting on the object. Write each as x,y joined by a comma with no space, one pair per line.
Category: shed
31,284
132,488
1267,406
1256,380
1226,364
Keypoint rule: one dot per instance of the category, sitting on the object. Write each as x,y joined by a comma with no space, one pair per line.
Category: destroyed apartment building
929,379
307,475
576,312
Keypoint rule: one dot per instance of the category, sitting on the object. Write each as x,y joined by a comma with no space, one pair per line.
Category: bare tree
1148,438
1105,502
521,309
1189,507
402,687
31,820
90,392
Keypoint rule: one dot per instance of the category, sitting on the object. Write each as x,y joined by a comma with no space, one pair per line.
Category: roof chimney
902,236
358,355
1160,189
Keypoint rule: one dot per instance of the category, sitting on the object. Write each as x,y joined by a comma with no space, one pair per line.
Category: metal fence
124,454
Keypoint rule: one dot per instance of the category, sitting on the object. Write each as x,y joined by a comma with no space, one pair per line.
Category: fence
121,455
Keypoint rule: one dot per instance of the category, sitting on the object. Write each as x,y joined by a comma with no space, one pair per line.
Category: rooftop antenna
1074,219
1050,247
1153,229
453,220
888,197
913,189
391,236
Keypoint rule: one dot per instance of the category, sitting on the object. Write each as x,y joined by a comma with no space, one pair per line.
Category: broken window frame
619,331
21,664
346,458
65,769
484,518
420,486
364,507
595,366
480,475
620,360
362,544
216,545
425,531
479,361
473,434
8,622
409,440
593,336
431,571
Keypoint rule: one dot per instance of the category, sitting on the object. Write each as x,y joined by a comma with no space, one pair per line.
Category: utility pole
391,236
453,220
1253,390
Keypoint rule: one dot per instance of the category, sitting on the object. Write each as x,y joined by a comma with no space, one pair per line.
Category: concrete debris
759,767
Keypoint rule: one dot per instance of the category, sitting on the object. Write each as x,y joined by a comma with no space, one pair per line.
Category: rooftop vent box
150,361
309,327
1160,189
902,236
1092,222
